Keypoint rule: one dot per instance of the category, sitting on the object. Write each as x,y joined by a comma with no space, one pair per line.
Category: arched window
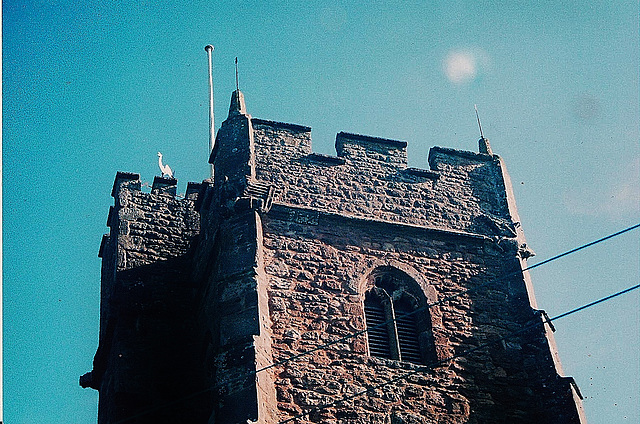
397,318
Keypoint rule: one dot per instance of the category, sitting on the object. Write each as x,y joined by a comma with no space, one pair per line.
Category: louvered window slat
377,330
408,336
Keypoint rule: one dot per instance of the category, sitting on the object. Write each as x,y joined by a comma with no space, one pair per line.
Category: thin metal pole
209,49
237,85
478,118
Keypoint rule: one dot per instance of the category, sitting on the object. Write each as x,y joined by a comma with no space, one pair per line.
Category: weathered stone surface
274,257
141,331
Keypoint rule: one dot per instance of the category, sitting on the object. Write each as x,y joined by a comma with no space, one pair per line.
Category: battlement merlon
162,185
438,155
362,149
127,180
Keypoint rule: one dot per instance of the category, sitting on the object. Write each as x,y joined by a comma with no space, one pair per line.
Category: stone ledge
110,216
283,125
326,159
282,212
422,173
103,244
571,382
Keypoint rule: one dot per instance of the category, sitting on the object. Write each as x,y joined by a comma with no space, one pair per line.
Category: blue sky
97,87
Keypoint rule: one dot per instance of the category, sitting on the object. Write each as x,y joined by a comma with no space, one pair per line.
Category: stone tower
300,287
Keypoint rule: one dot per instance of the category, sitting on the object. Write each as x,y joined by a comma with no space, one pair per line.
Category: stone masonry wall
152,227
232,310
317,268
369,178
335,218
146,318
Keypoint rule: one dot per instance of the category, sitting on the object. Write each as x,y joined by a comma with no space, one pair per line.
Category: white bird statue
164,169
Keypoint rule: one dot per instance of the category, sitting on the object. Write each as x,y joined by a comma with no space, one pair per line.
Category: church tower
300,287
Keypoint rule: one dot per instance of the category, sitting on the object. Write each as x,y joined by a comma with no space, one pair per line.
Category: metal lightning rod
478,118
237,85
209,49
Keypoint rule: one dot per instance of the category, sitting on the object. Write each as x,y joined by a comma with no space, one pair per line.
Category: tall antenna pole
478,118
209,49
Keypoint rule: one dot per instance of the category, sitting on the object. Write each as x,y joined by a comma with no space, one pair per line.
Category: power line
584,246
358,333
459,355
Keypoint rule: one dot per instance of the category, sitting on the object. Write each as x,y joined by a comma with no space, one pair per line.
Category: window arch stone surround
407,291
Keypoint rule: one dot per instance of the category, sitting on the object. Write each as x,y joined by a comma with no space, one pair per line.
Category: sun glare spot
462,66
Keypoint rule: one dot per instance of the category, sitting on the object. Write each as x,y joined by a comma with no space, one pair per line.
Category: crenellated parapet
148,227
369,178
